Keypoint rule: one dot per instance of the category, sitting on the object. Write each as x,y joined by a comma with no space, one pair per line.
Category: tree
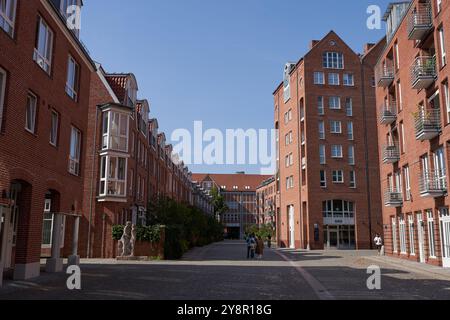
220,207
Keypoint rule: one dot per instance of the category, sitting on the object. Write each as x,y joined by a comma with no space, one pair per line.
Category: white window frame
349,107
397,56
349,79
322,130
334,79
107,177
73,78
338,176
109,136
322,154
62,233
319,78
394,235
74,159
31,127
402,232
353,179
8,24
44,59
443,50
407,177
332,106
54,128
335,127
431,236
411,231
400,95
320,105
337,151
323,179
351,155
333,60
2,94
350,131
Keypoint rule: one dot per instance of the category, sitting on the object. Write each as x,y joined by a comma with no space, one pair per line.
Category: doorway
291,227
444,215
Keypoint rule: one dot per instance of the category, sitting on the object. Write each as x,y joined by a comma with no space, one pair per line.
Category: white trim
32,128
10,22
106,84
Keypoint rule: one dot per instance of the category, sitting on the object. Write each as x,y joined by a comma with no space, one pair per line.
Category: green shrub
150,234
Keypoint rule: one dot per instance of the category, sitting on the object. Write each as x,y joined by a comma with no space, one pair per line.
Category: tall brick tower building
328,171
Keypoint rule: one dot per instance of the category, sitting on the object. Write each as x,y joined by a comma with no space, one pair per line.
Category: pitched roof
229,181
118,83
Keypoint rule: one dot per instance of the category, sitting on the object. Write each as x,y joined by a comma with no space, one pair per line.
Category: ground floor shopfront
422,236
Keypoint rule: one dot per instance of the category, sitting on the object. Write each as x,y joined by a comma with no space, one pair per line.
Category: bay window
115,131
8,16
44,46
113,176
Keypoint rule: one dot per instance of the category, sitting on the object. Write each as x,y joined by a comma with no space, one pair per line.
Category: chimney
368,46
313,43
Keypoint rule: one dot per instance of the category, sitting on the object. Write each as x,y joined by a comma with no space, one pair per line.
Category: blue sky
215,61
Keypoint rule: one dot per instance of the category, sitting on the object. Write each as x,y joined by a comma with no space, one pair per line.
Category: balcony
423,72
388,113
391,154
420,22
385,76
393,198
428,124
433,184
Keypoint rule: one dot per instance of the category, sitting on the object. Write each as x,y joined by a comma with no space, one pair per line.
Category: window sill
48,74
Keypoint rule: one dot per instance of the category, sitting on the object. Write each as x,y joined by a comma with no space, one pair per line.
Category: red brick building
44,100
239,191
414,113
327,170
266,200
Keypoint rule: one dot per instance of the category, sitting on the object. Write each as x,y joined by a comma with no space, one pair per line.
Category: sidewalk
421,268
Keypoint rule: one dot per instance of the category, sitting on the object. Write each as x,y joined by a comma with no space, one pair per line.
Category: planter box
146,249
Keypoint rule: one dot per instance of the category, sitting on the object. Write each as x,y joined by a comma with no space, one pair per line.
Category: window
319,78
442,47
402,138
115,131
336,151
400,96
48,223
397,56
75,151
402,229
350,134
333,79
72,78
349,107
321,130
320,106
322,154
335,103
44,46
7,16
336,127
412,248
54,128
440,169
394,235
352,179
113,176
30,115
338,176
323,179
131,181
333,60
439,5
351,155
2,94
431,238
338,209
290,182
349,80
407,183
446,100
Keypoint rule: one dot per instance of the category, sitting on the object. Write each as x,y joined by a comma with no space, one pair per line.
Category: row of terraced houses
336,185
79,152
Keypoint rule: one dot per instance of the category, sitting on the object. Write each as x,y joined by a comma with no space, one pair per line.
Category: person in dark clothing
269,241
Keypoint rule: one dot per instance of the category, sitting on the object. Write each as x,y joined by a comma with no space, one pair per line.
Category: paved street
221,271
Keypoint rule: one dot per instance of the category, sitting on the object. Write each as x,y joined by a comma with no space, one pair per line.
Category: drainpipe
366,151
91,196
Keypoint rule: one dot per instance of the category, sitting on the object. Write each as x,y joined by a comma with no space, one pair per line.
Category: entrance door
333,239
445,236
421,235
291,227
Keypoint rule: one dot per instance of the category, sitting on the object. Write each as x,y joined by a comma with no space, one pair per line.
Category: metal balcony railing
393,198
420,21
428,124
388,113
423,72
433,184
391,154
385,75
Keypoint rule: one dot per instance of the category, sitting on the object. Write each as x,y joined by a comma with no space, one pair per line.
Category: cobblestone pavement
221,271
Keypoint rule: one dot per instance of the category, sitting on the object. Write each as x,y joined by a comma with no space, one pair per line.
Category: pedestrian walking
251,246
269,241
378,243
259,248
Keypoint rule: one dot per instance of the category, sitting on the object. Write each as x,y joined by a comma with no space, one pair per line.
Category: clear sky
215,61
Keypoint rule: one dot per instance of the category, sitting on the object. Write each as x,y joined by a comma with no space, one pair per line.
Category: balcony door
425,168
440,169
